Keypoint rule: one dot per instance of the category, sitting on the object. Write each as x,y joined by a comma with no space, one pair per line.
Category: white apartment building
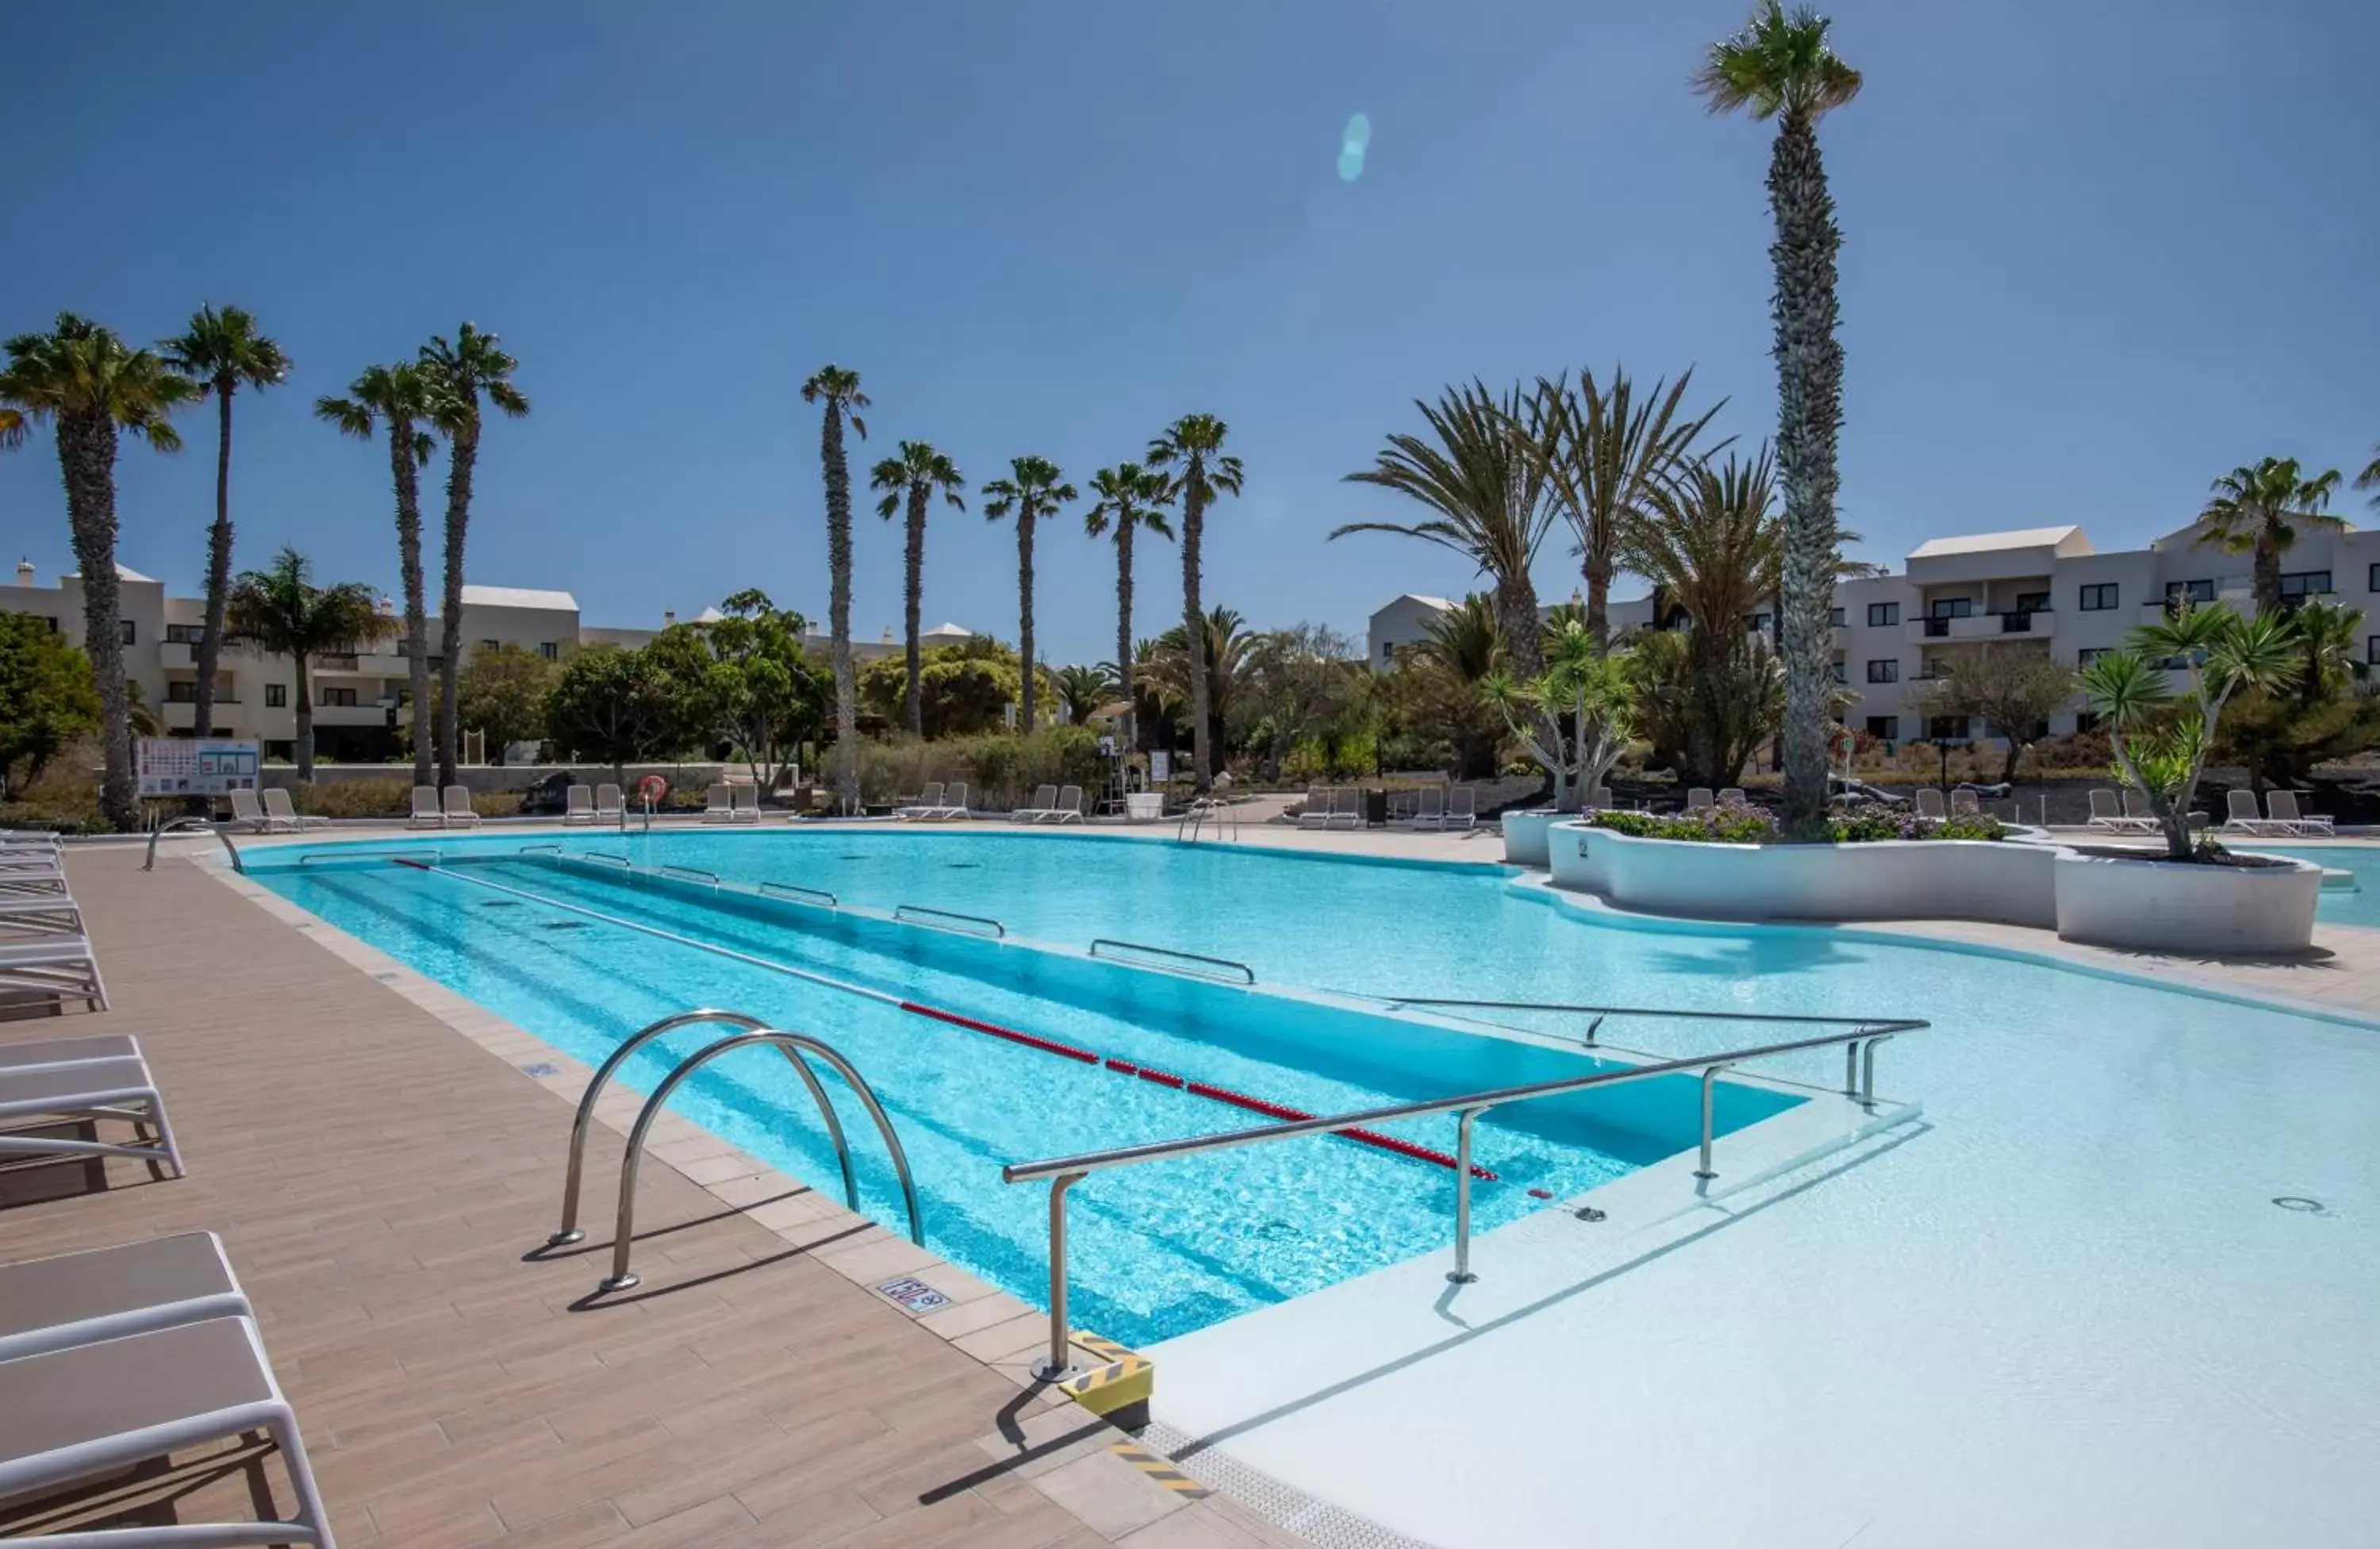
359,700
2036,589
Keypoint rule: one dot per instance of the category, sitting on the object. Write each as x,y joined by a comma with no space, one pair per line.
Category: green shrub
1730,824
354,799
64,796
1000,770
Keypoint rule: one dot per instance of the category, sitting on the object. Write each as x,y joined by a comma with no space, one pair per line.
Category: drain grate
500,903
563,925
1283,1506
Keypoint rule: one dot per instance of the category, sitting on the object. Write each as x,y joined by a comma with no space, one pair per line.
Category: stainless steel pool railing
186,825
1191,963
817,898
1064,1171
794,1044
688,873
964,924
1196,816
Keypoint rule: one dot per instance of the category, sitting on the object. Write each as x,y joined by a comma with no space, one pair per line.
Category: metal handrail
623,1230
604,856
792,894
538,850
1064,1171
568,1231
180,824
688,873
902,913
344,853
1193,819
1248,975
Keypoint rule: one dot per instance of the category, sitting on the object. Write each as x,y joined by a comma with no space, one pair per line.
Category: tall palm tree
279,610
1129,498
1198,469
401,397
1226,651
912,477
1034,489
1780,67
2260,509
222,353
2369,478
1082,690
473,365
1491,496
83,378
1605,453
837,390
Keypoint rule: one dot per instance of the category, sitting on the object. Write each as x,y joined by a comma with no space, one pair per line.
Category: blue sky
2096,252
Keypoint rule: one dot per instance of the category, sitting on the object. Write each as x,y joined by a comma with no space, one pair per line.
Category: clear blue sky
2096,251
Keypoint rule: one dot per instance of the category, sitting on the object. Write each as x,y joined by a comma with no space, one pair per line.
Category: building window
185,634
129,633
2091,653
1388,652
2099,597
276,696
2371,650
1836,671
2198,593
2303,584
2033,602
1838,617
1948,729
1758,623
1951,607
1885,729
344,697
1886,671
550,650
181,693
1880,615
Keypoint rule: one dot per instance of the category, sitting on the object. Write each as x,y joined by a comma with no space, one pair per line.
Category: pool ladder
752,1033
181,825
1203,811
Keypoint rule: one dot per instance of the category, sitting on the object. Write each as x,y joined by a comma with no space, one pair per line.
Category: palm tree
838,390
2262,509
1036,489
221,352
473,364
1129,498
1226,651
1192,449
913,477
1605,455
2369,478
1492,497
281,611
83,378
1780,67
1464,640
400,397
1082,690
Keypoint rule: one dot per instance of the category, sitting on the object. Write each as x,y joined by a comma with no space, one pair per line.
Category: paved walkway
377,1177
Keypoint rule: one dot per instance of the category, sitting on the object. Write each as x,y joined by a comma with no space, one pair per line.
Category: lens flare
1354,141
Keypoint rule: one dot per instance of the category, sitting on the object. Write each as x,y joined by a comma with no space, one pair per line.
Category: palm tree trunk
1599,570
1516,619
913,600
2268,570
1194,621
1809,420
838,560
463,455
1130,740
305,720
405,474
1024,607
87,463
202,720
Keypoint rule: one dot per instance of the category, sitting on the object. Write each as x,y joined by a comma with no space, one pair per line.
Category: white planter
1525,837
2181,905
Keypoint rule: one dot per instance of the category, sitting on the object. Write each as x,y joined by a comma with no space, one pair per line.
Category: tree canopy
47,699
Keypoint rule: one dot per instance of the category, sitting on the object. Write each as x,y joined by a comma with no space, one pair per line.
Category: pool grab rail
794,893
1195,816
794,1044
1196,965
1064,1171
688,873
184,824
920,915
346,854
1600,1012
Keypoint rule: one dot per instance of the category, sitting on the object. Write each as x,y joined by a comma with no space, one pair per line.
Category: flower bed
1734,823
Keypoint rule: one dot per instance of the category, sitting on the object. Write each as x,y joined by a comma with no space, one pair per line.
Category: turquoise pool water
2359,904
1167,1248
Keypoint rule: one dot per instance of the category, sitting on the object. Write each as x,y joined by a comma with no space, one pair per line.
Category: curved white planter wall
1525,837
2143,904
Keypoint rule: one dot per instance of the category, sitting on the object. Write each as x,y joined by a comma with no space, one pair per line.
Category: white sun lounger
1317,812
1600,799
1044,803
610,806
248,814
1346,808
1966,803
1731,796
1462,808
44,916
93,1090
743,803
2239,815
1699,797
719,806
32,882
43,1054
2138,818
928,801
456,808
111,1293
954,806
58,968
1930,803
1428,812
425,808
284,812
2283,805
1070,806
579,805
103,1408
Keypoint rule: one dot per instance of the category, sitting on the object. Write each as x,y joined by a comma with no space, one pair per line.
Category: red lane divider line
1047,1046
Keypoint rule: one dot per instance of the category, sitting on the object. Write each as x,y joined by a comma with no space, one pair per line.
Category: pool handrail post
1460,1273
184,824
1703,1169
1055,1366
1868,1076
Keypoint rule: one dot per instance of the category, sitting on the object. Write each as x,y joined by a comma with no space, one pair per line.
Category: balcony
350,715
1979,627
178,654
182,714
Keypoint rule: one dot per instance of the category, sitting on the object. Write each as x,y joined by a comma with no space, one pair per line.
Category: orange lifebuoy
653,791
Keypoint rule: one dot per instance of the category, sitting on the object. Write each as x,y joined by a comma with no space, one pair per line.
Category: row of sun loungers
268,812
937,803
2281,816
454,811
1052,804
47,959
1701,797
116,1357
1435,809
601,804
732,802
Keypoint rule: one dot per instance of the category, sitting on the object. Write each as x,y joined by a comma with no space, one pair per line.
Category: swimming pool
1166,1248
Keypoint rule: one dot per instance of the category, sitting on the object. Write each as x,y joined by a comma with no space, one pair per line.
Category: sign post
194,765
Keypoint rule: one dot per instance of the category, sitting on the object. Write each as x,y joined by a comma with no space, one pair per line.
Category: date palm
1491,497
400,398
220,353
1082,690
473,365
2369,478
2262,509
1198,469
1605,453
1781,68
911,480
83,379
1034,489
836,390
1129,497
281,611
1225,655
